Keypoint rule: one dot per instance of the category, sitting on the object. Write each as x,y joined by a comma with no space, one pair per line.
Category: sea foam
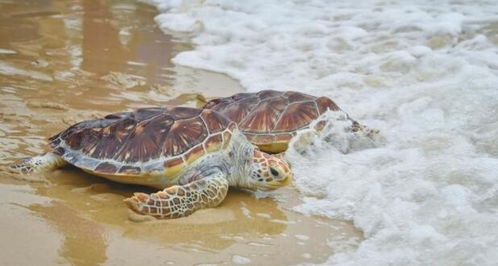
425,73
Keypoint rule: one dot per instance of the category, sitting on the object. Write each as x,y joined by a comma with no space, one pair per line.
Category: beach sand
63,62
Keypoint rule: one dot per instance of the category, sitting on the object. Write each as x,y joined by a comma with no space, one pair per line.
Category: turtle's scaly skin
195,154
270,119
161,203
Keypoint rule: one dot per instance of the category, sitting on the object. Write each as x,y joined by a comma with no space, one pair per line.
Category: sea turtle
193,154
270,119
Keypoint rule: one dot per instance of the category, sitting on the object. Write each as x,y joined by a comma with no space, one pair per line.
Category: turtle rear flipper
47,161
182,200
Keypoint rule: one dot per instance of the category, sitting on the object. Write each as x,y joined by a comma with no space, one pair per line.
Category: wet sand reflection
64,62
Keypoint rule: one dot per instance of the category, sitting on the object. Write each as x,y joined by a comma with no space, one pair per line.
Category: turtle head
268,172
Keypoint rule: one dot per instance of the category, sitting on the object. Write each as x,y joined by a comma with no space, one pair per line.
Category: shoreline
56,72
425,75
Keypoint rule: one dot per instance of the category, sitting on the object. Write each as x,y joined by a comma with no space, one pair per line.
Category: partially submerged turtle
194,154
270,119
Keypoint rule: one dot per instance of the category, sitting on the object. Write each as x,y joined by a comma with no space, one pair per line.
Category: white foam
425,73
302,237
7,51
236,259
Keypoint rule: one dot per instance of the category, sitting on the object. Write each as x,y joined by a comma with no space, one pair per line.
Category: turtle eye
273,171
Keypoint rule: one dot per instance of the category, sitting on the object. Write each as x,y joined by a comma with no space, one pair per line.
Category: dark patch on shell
173,162
106,167
59,151
131,170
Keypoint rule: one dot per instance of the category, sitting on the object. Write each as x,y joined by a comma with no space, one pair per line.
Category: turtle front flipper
47,161
181,200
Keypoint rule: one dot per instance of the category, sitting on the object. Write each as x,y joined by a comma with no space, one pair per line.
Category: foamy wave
423,73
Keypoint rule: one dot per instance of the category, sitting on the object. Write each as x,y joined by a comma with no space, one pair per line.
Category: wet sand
62,62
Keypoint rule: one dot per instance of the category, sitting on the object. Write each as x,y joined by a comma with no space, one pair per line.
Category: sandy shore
63,62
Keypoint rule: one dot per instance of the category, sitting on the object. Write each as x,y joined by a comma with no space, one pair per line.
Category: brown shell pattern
147,139
271,113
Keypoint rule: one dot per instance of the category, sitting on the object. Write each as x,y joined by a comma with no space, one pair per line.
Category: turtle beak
282,182
287,180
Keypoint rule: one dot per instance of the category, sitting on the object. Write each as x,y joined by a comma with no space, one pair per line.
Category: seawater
425,73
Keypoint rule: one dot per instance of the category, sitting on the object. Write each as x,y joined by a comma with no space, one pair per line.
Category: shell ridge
179,141
251,108
300,115
265,114
317,108
282,113
205,125
243,121
257,95
152,140
130,115
125,140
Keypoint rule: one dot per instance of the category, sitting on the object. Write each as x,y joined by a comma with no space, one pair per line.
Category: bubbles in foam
237,259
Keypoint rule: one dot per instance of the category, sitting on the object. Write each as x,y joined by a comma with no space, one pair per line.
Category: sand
62,62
